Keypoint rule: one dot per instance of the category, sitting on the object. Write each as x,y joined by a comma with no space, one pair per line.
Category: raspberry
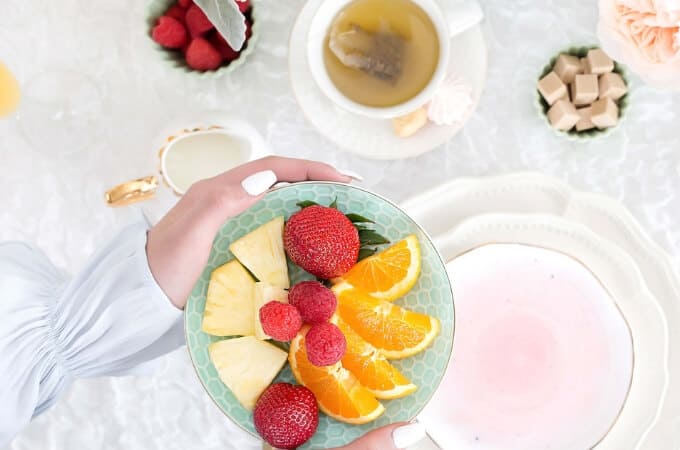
197,22
200,55
243,5
176,12
279,320
315,301
185,3
325,344
228,53
169,33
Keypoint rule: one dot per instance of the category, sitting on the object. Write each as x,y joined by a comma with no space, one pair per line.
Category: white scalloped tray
542,211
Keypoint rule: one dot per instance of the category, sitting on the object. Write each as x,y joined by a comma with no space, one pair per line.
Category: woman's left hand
179,245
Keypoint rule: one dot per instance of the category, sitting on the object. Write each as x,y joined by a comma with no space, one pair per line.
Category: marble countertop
97,59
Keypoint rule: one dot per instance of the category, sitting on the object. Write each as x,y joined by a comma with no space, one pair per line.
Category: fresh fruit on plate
264,293
247,366
395,331
325,344
261,251
229,302
279,320
339,393
286,416
315,301
389,274
371,368
322,240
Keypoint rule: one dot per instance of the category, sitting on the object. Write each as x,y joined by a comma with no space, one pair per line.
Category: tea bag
378,54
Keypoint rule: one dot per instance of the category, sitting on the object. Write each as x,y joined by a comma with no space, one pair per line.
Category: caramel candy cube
552,88
584,89
612,86
599,62
567,66
563,115
584,123
586,67
604,113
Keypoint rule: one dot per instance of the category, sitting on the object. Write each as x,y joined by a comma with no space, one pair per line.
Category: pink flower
645,35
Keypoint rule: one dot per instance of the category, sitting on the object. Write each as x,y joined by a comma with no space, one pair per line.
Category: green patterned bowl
431,294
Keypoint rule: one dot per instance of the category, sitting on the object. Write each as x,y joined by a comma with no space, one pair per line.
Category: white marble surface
53,177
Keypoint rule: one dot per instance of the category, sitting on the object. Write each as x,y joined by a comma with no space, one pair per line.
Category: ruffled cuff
107,320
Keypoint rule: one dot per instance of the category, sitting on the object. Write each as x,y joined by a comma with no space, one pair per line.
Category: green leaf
356,218
334,205
305,203
361,227
366,252
370,237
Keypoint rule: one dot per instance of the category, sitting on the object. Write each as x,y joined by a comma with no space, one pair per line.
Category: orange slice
371,368
339,393
395,331
389,274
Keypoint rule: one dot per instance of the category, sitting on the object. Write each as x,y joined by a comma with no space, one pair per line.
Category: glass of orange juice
10,92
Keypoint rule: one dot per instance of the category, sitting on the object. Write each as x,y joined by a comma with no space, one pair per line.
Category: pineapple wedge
247,366
261,251
263,294
229,302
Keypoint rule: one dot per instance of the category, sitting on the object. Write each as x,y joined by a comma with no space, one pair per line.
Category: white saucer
373,138
598,231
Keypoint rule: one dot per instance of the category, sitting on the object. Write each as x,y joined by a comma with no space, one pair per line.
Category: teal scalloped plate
431,294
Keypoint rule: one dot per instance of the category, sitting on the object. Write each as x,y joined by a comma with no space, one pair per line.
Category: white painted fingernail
258,183
351,174
408,435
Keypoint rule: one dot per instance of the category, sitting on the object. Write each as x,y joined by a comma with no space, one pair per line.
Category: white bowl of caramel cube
582,93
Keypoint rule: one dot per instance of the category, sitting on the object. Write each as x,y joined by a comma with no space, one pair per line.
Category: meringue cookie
451,101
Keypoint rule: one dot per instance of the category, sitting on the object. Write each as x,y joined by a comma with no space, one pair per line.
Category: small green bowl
176,59
586,135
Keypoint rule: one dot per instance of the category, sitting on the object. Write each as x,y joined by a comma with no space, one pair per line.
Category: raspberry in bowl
185,37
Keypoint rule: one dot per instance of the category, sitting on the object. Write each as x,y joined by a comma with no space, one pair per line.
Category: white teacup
192,154
455,18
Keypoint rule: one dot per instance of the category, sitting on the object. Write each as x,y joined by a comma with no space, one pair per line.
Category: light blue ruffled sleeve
109,319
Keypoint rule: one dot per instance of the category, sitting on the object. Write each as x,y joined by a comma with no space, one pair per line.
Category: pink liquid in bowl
542,357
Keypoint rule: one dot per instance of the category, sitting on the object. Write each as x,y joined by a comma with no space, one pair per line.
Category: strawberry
286,416
315,301
200,55
322,240
325,344
197,22
185,3
279,320
169,33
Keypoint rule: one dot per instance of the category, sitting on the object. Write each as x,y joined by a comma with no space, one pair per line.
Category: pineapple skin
229,302
262,252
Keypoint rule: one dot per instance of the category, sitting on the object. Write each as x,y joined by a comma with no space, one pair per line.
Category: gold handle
132,192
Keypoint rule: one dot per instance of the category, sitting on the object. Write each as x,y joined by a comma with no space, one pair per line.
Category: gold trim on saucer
132,191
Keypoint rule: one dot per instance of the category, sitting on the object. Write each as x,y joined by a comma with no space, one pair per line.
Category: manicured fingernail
351,174
408,435
258,183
